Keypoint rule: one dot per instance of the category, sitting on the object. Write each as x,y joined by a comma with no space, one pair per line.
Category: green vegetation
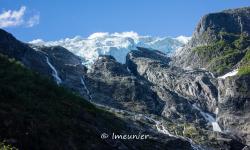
229,37
37,114
225,61
244,70
213,49
242,42
4,146
190,131
222,55
245,67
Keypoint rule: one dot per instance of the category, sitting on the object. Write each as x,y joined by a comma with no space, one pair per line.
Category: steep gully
54,73
86,89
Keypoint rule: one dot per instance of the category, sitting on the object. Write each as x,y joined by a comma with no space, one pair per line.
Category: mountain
221,44
115,44
181,98
37,114
134,97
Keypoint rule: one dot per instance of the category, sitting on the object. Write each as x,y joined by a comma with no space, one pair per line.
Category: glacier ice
183,39
115,44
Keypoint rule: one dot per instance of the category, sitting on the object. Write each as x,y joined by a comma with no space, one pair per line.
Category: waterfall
54,72
159,126
86,89
128,70
209,118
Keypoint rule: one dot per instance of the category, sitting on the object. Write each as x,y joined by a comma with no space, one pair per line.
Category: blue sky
53,20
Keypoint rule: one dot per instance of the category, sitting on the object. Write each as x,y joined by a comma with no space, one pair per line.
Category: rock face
69,67
148,84
192,85
153,66
219,42
208,30
112,84
234,104
10,46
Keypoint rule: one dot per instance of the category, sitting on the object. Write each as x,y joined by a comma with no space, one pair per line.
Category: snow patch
229,74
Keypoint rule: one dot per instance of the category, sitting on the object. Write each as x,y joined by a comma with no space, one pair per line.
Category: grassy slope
37,114
245,67
224,54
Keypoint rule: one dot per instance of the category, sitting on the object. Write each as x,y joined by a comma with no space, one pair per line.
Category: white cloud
34,20
37,42
98,35
11,18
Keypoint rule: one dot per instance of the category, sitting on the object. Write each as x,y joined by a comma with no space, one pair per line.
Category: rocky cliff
234,98
220,44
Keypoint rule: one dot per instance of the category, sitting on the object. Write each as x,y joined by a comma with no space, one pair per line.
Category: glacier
116,44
